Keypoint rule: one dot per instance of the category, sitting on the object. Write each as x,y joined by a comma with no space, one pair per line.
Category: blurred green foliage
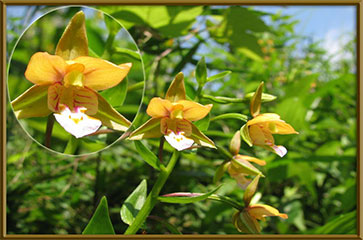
315,183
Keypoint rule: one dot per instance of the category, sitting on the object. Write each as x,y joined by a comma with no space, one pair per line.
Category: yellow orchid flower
246,220
258,131
260,211
172,117
240,165
67,84
261,128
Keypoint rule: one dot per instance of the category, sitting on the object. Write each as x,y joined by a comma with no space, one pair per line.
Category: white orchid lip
178,141
279,150
77,123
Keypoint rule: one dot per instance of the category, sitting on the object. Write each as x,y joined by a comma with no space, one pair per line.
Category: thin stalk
49,129
161,147
226,200
71,145
199,93
136,86
152,198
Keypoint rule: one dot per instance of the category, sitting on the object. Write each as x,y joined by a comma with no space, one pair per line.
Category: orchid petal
101,74
245,167
175,125
260,136
73,42
263,118
235,144
45,69
176,89
77,123
255,105
32,103
159,107
194,111
279,150
251,159
200,138
72,97
259,211
281,127
150,129
178,140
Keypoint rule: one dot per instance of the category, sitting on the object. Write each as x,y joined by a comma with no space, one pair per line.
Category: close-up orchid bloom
258,131
172,118
66,84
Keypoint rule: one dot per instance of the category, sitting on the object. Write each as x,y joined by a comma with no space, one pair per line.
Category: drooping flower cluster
257,131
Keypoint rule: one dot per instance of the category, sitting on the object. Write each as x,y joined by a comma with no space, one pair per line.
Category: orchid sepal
73,42
176,90
110,117
31,103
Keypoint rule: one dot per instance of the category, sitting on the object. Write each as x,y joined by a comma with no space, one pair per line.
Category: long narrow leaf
186,197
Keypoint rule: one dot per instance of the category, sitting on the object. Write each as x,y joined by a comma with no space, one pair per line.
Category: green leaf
248,53
264,98
100,222
201,72
246,135
134,203
186,197
255,105
250,190
203,123
73,42
238,116
342,224
127,52
116,95
148,156
218,76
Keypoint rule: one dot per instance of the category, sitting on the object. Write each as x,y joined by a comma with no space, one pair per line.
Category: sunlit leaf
134,203
147,155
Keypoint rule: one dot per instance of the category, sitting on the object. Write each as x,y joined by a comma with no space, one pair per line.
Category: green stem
49,129
152,198
226,200
224,100
199,93
136,86
71,145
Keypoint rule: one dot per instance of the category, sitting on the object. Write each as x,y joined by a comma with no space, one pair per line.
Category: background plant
315,183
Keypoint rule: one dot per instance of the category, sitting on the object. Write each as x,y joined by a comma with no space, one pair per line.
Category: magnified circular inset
75,80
